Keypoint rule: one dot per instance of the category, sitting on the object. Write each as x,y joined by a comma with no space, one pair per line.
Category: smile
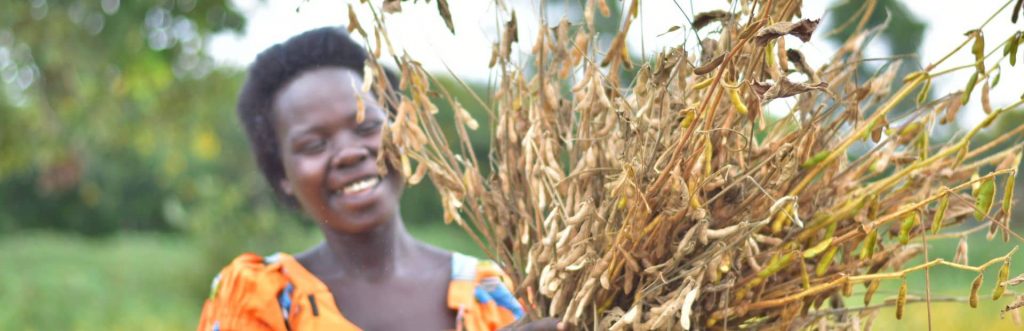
360,186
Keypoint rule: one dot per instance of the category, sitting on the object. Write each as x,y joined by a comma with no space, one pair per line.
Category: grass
56,281
63,282
132,281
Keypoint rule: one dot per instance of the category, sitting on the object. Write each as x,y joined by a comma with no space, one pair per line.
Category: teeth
361,185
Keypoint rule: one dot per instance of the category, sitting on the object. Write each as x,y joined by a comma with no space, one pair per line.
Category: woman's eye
312,146
369,127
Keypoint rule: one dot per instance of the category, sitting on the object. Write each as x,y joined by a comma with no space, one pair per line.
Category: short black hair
273,69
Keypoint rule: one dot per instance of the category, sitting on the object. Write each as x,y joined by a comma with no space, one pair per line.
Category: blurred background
126,181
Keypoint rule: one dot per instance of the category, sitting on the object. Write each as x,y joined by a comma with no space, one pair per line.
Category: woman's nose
349,156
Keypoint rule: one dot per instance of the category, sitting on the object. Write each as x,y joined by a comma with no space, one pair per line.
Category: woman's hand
546,324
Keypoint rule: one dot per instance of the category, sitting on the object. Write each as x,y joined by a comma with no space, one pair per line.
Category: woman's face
329,158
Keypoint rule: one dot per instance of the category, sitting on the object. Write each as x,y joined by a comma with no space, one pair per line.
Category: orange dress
277,293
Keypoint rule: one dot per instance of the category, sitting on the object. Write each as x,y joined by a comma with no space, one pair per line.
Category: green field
65,282
130,281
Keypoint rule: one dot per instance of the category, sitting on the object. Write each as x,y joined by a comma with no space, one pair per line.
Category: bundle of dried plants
672,201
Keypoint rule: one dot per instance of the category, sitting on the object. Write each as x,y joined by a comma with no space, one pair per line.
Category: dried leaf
392,6
785,88
802,29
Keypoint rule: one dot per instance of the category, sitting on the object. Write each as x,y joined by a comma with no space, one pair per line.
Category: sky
419,31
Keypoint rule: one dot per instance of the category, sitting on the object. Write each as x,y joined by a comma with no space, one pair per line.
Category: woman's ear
286,186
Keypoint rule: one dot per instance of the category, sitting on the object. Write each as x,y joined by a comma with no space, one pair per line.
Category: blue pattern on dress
285,299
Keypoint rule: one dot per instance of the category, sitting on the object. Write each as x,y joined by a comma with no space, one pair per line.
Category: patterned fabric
277,293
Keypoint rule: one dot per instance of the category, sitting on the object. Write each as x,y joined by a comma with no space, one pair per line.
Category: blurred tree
107,108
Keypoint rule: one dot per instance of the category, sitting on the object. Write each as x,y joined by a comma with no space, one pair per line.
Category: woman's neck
372,255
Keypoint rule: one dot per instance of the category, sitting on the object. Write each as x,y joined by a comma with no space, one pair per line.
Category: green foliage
107,108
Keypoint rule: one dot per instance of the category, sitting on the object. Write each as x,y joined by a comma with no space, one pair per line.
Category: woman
298,106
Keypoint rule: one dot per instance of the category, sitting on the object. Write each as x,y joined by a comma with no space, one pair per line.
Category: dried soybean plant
673,201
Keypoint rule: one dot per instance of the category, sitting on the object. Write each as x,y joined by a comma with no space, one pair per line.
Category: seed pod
940,213
960,155
777,263
1008,196
817,249
983,198
951,108
1010,47
975,286
869,244
923,94
978,49
826,261
737,102
967,90
708,156
847,289
872,287
703,84
688,119
1004,273
873,207
876,132
1013,43
814,160
804,276
961,252
908,224
986,102
901,299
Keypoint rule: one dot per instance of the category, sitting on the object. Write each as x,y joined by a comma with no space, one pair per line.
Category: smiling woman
317,136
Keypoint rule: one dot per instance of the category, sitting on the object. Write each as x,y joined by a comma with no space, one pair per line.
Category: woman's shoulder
243,295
